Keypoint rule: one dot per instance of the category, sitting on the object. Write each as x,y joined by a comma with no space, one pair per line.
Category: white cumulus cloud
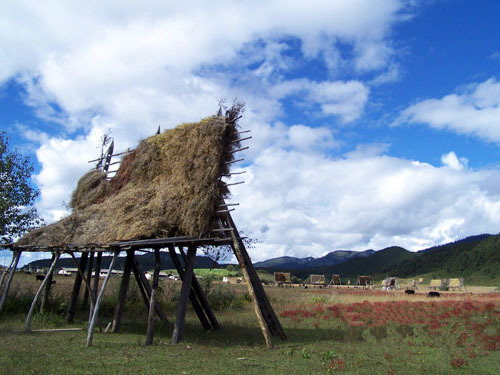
301,204
475,111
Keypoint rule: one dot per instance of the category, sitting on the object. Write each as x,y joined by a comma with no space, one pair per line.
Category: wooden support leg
13,265
46,292
138,279
152,302
88,279
202,297
139,274
196,306
4,272
76,288
263,303
37,295
95,287
185,290
251,290
93,321
122,294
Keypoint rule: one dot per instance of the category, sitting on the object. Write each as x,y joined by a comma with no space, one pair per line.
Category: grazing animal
42,277
433,294
409,291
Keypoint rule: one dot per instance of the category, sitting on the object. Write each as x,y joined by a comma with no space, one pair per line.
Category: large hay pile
169,186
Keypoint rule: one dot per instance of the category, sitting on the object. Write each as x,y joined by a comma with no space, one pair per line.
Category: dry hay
169,186
282,277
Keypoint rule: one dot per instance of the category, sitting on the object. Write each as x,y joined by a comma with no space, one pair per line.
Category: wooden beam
13,265
86,283
88,279
140,285
4,272
185,290
251,290
122,294
202,297
76,288
46,292
152,301
93,321
147,289
95,287
196,306
37,295
265,307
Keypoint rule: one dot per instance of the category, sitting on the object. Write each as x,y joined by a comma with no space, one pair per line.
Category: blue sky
374,123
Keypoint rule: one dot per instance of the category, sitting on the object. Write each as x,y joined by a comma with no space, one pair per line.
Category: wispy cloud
475,111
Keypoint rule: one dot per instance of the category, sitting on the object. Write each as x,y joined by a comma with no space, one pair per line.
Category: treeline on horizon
474,258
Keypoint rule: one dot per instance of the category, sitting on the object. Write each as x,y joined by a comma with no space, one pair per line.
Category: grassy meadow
330,331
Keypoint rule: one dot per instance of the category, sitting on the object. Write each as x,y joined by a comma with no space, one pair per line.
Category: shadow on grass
228,335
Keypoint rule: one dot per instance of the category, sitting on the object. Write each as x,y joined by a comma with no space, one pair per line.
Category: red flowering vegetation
458,362
476,323
336,364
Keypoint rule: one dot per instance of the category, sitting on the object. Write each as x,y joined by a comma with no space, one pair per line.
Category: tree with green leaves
17,195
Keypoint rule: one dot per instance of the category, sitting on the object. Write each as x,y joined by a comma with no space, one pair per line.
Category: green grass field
330,331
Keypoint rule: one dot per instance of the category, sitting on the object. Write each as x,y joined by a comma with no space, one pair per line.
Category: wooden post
266,309
122,294
139,274
37,295
185,289
46,292
93,321
263,326
88,279
95,287
76,288
4,272
152,301
15,260
138,279
202,297
196,306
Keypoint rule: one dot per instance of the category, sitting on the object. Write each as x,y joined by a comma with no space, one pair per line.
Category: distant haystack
169,186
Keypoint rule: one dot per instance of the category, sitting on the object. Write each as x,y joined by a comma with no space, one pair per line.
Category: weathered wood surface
200,294
253,282
57,330
251,290
95,287
16,255
76,289
5,269
93,321
86,283
152,302
185,290
40,289
140,285
196,306
122,294
88,280
142,281
46,292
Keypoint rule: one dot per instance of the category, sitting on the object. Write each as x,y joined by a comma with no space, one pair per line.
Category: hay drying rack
226,234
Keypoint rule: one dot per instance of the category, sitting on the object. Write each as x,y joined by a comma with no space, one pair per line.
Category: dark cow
409,291
42,277
433,294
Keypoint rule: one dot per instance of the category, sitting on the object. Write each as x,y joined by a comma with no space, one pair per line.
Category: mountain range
477,258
